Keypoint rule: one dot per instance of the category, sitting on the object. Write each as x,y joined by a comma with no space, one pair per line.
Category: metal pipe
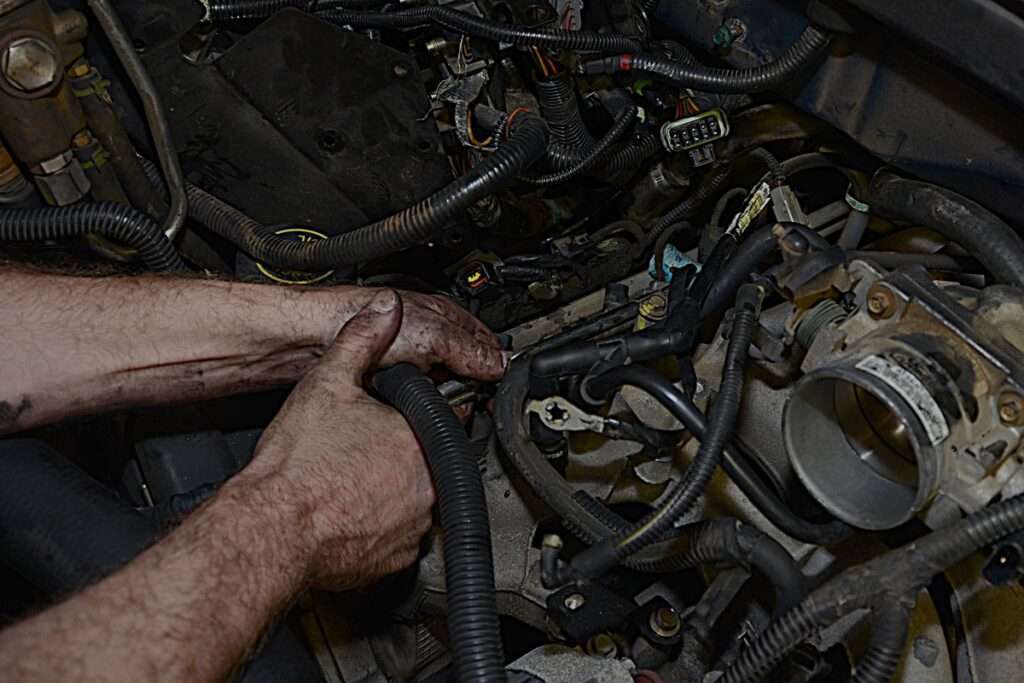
155,116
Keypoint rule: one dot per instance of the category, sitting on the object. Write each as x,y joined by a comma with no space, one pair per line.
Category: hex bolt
1011,409
574,602
29,64
665,622
881,303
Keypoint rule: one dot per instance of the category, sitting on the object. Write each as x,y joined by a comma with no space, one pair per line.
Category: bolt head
881,303
665,622
574,602
1011,409
29,64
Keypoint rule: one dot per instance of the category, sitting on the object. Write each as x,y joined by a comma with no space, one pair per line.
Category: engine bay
756,267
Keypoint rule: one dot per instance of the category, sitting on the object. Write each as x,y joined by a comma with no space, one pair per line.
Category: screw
1011,409
665,622
29,64
400,70
574,602
881,303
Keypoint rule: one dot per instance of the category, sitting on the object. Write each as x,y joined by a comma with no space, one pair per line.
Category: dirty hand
345,470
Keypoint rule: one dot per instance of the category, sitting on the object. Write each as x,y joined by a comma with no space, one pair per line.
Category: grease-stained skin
73,346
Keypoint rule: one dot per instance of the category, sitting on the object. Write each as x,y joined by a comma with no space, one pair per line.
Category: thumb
365,338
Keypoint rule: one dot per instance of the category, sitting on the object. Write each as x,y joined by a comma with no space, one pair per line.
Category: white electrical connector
695,131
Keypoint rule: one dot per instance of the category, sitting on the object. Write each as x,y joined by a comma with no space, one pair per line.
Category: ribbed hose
811,44
577,41
117,222
983,234
627,157
592,158
224,11
560,108
729,540
898,573
598,559
885,649
405,229
473,626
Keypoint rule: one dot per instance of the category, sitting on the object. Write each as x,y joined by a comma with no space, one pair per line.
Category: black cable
629,156
597,153
223,11
117,222
808,47
598,559
473,626
477,27
889,630
414,225
560,108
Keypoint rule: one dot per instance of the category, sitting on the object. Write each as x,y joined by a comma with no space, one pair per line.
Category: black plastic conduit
812,43
889,630
407,228
560,108
115,221
983,234
597,153
626,157
578,41
598,559
473,626
878,582
244,10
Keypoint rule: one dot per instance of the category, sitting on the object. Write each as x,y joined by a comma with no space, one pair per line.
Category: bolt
29,64
400,70
1011,409
881,303
603,645
82,139
574,602
80,70
665,622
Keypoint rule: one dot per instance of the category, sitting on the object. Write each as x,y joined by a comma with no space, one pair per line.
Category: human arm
336,496
72,346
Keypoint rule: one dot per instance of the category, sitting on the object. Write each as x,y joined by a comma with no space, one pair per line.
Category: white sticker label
913,392
760,198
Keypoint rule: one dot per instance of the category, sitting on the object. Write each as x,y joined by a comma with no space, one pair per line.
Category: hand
437,331
346,468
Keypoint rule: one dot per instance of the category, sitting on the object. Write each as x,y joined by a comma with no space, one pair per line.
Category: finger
467,322
464,355
365,338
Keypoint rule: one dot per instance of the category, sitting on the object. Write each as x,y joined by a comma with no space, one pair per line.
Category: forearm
74,345
188,609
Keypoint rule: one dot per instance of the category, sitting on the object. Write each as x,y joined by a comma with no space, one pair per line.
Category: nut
1011,409
574,602
881,303
29,64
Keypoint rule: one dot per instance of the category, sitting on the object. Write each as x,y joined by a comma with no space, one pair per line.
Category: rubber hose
744,261
560,108
578,41
980,232
896,574
598,559
689,206
117,222
405,229
888,638
244,10
808,47
592,158
729,540
473,626
627,157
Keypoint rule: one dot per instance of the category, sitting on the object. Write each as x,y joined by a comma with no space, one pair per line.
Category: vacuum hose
800,55
117,222
983,234
469,566
599,558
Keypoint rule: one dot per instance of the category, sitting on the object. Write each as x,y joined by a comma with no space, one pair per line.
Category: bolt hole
330,141
424,145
